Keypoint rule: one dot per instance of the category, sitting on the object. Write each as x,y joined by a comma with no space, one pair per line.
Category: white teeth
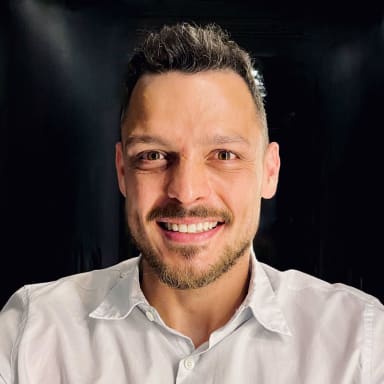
191,228
183,228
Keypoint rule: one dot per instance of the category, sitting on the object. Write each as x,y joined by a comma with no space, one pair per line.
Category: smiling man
192,143
193,164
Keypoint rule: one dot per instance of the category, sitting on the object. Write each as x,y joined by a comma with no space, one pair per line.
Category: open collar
263,302
126,294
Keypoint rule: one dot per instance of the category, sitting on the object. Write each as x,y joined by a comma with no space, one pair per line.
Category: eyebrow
215,140
220,139
145,139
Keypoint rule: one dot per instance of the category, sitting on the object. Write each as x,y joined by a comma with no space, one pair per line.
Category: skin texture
193,151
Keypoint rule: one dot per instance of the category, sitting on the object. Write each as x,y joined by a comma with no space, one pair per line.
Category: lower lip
182,237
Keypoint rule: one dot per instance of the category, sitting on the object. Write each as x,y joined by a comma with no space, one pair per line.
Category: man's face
193,165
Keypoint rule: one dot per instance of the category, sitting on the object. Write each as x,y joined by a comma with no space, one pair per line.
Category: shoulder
336,322
79,291
88,287
64,303
293,285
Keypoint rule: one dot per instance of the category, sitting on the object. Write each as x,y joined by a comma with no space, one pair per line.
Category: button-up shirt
98,328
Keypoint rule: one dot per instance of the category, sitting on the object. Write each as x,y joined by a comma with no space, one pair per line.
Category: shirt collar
262,300
124,295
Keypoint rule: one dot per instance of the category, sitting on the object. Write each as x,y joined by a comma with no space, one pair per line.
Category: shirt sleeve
377,367
12,320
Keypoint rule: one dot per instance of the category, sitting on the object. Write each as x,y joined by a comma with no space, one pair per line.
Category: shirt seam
368,345
20,331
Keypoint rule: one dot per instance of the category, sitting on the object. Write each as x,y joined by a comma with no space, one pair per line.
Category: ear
271,171
120,168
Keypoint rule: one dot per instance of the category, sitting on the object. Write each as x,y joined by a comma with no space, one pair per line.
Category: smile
190,228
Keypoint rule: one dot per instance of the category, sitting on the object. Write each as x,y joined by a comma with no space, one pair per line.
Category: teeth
191,228
183,228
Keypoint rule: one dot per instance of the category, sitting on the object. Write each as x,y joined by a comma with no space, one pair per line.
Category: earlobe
271,171
120,169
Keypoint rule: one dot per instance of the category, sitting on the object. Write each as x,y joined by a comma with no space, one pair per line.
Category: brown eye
225,155
152,156
150,160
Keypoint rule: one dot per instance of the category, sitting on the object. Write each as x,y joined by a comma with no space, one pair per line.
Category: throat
196,313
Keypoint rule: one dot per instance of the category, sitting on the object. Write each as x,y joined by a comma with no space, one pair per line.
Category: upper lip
189,220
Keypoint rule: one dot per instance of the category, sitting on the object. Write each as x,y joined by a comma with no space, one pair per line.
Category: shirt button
149,315
189,363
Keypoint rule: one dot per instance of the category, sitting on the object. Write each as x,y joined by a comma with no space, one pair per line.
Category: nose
188,182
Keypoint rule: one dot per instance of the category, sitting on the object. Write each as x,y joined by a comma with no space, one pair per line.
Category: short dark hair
191,48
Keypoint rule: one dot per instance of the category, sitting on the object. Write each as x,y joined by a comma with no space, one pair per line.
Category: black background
61,64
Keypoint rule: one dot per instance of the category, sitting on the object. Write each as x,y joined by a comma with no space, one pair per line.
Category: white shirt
98,328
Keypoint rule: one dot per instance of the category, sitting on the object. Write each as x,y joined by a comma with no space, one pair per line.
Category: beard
187,276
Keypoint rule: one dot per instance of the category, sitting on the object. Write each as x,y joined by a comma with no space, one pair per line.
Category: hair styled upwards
191,49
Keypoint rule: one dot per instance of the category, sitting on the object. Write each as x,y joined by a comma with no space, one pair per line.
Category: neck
196,313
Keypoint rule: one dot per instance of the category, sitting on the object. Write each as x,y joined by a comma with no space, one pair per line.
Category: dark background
61,64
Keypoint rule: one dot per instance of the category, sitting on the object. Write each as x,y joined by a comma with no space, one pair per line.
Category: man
193,163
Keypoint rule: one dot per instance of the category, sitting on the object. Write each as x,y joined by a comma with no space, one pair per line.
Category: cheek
143,193
242,196
248,208
239,189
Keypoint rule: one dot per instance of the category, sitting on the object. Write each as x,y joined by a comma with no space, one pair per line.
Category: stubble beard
186,275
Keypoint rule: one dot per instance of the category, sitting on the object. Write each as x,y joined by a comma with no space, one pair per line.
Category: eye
150,160
151,156
225,155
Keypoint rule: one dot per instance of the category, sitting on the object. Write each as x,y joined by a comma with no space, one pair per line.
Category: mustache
176,211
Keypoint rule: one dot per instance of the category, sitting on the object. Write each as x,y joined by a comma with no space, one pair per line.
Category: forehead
199,103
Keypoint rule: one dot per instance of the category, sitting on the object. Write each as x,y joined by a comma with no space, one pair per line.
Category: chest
127,351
